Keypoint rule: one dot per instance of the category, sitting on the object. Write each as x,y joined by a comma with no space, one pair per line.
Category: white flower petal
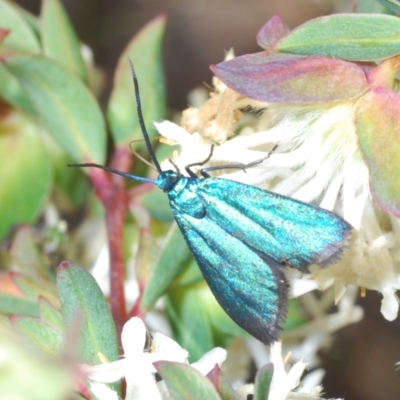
165,345
141,385
311,382
103,392
390,304
298,287
208,361
294,375
165,349
133,337
106,373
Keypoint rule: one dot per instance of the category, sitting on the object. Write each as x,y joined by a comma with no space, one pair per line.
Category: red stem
111,190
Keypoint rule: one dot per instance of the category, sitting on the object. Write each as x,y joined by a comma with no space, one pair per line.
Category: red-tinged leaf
224,388
3,33
283,78
377,126
263,382
185,383
270,33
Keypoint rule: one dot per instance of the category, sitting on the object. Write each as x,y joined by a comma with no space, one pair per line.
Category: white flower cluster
138,370
317,160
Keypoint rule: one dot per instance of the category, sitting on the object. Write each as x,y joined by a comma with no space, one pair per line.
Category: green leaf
50,314
59,39
35,287
221,383
65,105
189,320
297,315
30,19
26,256
39,335
222,323
70,183
354,37
185,382
11,305
392,5
25,172
145,52
377,127
146,254
22,37
190,274
24,375
263,382
157,204
12,92
82,302
174,256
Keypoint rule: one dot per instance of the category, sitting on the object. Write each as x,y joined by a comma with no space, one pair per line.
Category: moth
243,238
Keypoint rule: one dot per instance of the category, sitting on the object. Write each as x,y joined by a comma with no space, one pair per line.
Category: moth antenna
115,171
140,157
175,166
141,120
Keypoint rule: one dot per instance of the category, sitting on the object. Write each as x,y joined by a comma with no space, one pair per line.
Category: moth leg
205,172
191,173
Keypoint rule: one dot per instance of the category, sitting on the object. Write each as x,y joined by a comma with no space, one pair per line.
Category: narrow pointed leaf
30,19
146,55
26,256
12,92
263,382
222,385
82,301
189,319
355,37
377,126
283,78
39,335
392,5
185,382
174,256
49,314
33,288
21,37
59,39
10,305
64,104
